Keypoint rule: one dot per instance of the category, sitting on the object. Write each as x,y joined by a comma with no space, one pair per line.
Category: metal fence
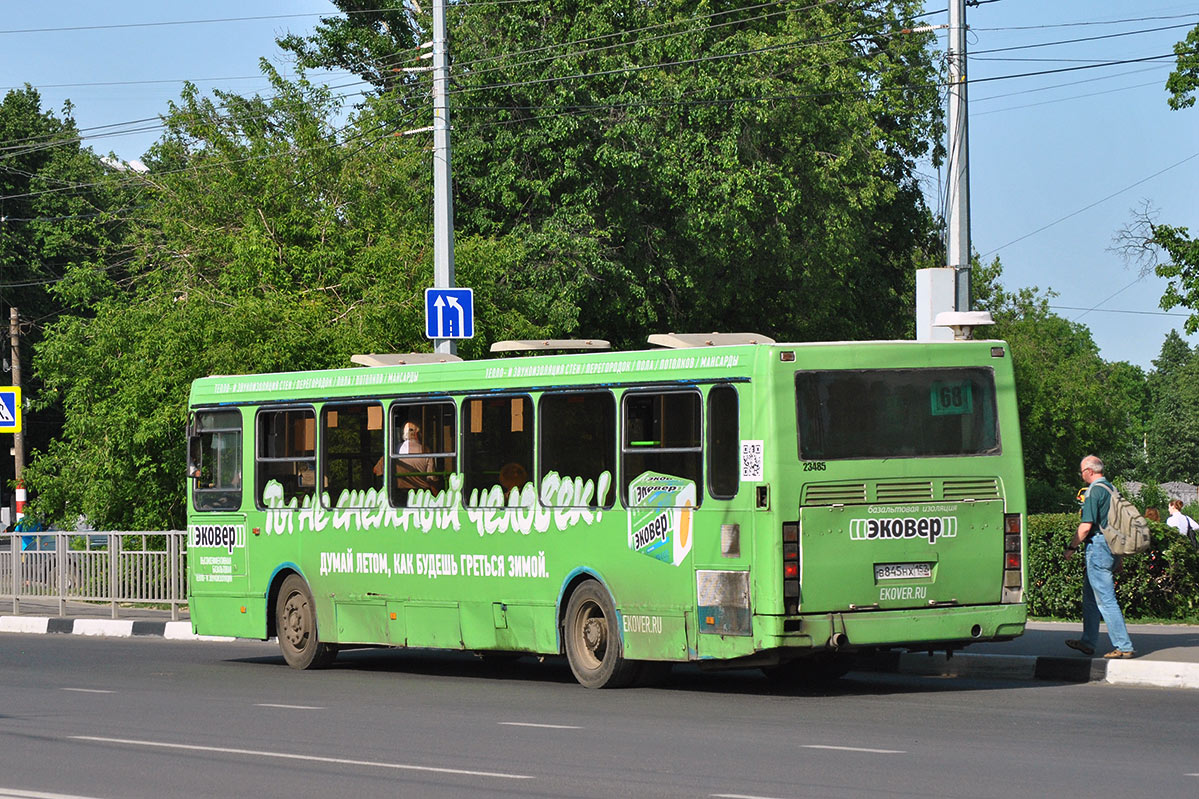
142,568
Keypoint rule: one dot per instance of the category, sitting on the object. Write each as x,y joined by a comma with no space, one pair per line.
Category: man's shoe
1117,654
1086,649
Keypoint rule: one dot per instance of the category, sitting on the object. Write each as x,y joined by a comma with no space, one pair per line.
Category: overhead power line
119,25
1088,23
1100,201
1114,310
1079,40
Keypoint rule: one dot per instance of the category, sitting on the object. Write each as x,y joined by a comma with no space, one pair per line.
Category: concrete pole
443,200
18,441
958,198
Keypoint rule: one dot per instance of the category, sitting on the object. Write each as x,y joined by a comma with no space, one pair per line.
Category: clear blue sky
1037,153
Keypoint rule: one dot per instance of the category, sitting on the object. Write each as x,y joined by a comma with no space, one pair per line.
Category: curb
1158,673
110,628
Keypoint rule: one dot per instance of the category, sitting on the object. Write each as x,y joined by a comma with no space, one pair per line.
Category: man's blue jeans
1099,597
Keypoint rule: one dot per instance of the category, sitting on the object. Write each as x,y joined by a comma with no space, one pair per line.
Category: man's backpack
1126,531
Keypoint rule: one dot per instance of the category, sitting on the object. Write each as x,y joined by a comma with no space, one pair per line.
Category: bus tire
592,640
295,625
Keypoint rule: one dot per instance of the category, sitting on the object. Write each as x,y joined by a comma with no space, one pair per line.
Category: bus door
216,530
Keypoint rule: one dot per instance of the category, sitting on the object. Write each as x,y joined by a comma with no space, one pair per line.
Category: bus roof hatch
403,358
530,345
685,340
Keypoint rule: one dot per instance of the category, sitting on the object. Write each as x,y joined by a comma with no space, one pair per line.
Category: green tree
266,240
688,166
1172,437
1184,80
1174,355
58,210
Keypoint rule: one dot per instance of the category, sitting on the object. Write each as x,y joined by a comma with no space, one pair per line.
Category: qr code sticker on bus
751,461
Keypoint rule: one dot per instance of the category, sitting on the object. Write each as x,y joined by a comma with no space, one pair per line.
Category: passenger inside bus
512,477
412,472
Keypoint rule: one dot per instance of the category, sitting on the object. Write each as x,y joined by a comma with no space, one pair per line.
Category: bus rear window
896,413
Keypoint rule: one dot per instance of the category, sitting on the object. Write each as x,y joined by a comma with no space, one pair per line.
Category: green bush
1151,495
1162,583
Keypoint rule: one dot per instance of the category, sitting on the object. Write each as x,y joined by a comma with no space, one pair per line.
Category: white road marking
856,749
89,691
13,793
310,758
740,796
541,726
289,707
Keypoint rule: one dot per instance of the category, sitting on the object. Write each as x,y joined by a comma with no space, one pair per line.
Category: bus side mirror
193,448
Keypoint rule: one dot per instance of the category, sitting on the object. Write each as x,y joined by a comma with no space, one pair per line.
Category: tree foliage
47,225
1184,80
265,241
1172,436
620,168
684,166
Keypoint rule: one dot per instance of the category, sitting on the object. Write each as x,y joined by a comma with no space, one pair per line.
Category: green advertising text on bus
755,504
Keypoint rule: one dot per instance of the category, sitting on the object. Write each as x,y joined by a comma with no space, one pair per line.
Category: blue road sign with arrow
449,313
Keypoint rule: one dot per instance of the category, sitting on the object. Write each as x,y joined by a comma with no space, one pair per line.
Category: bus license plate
902,571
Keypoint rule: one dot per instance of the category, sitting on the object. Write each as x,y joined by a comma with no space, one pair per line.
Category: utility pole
18,439
958,197
443,200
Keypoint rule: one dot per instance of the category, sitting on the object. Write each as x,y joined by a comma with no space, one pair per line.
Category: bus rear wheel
593,644
295,624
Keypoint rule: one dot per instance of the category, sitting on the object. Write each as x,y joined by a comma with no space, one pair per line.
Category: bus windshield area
896,413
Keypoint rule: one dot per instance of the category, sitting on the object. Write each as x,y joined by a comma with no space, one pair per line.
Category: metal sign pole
443,201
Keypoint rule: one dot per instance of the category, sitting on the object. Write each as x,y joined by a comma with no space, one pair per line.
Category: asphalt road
152,718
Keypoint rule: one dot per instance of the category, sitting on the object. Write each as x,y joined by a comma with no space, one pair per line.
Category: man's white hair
1093,463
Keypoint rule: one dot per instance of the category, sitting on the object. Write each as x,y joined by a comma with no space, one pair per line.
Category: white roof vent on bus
530,345
403,358
963,322
678,341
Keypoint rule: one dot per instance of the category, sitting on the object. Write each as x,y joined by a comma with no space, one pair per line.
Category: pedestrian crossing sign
10,409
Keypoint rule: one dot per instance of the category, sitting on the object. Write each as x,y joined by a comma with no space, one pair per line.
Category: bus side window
423,451
215,460
724,465
578,440
662,447
497,445
286,454
352,452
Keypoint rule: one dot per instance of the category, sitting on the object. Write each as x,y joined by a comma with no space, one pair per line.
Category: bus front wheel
295,624
593,644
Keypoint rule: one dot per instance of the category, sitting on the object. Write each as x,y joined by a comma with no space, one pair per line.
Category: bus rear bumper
931,628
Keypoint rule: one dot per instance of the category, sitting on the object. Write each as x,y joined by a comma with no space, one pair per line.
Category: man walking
1098,589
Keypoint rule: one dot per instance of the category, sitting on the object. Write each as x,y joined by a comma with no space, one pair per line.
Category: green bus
721,499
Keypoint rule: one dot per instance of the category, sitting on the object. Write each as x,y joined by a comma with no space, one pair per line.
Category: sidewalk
40,616
1167,654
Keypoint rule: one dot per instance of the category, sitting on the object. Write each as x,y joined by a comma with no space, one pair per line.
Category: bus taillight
1013,557
791,566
